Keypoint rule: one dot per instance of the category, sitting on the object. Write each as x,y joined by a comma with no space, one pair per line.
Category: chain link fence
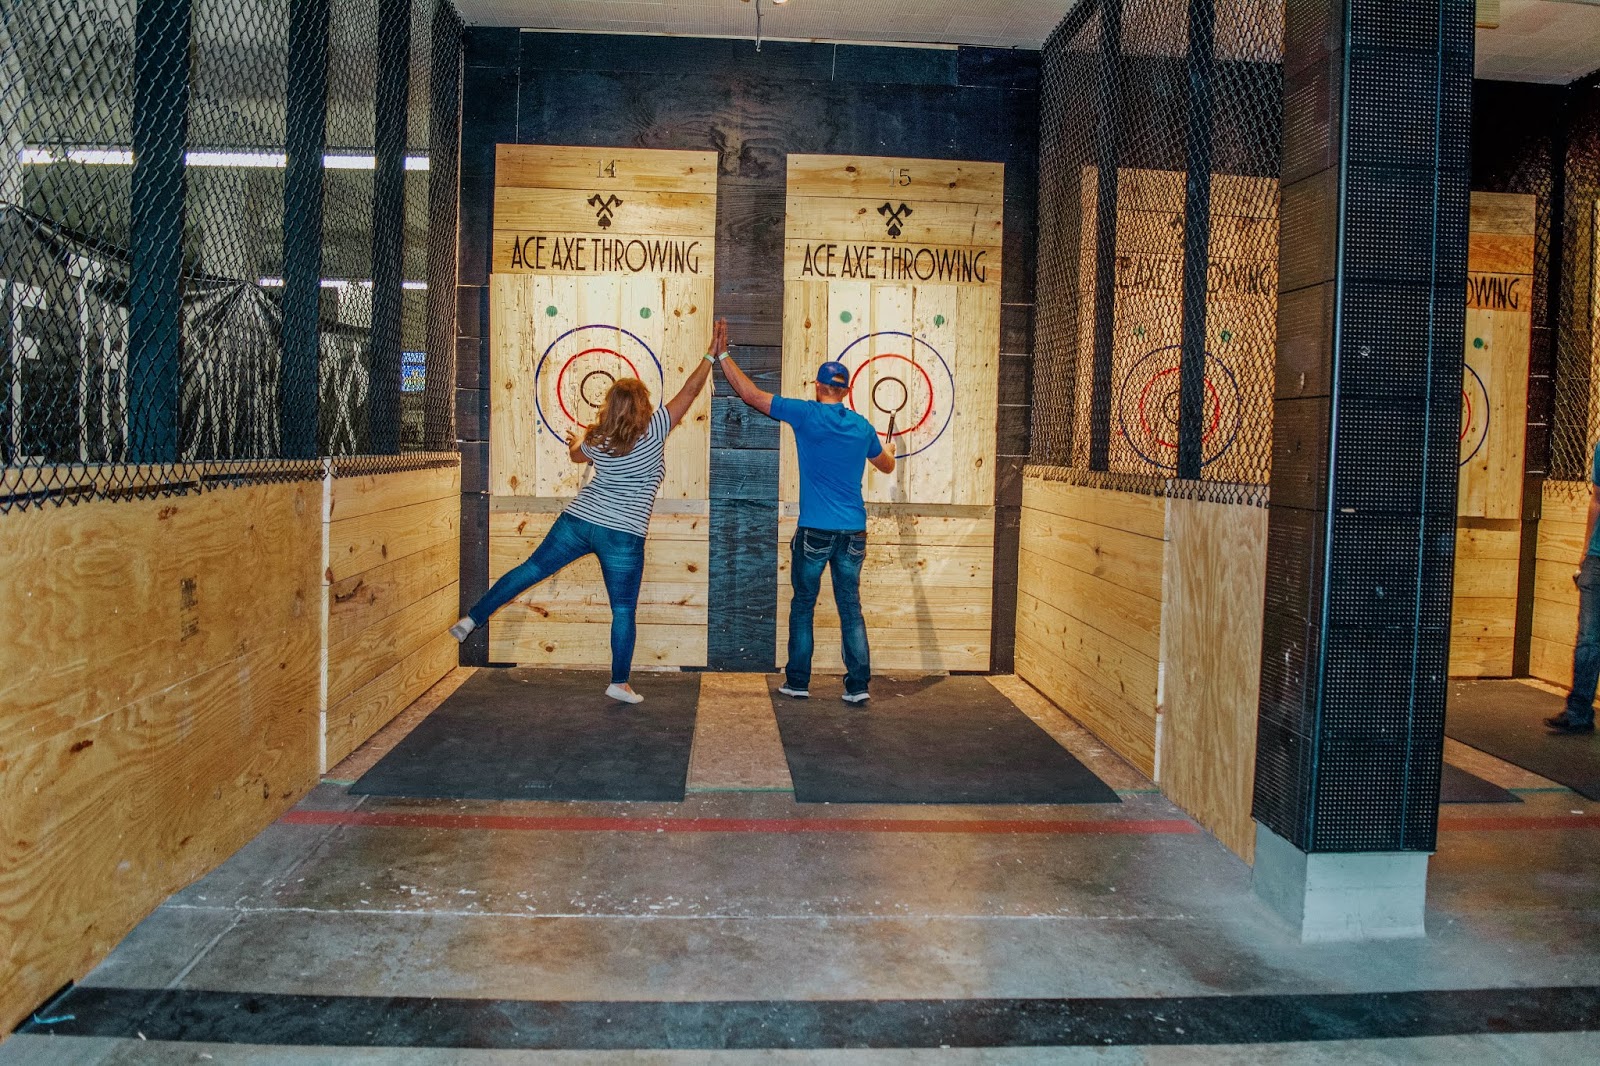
227,241
1575,423
1161,125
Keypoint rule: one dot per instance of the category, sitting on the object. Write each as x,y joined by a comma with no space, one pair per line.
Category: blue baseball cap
834,373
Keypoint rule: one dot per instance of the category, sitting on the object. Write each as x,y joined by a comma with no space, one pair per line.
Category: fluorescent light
275,160
209,157
342,283
102,156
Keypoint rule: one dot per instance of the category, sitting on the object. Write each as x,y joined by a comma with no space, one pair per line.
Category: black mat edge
399,1021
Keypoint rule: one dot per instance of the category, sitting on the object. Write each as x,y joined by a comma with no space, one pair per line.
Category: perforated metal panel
1360,553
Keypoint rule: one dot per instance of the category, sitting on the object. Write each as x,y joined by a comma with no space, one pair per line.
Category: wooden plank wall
1089,593
604,262
391,591
893,266
1564,512
1211,617
148,640
756,109
1494,429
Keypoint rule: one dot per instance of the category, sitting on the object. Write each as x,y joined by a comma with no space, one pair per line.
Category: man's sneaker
1562,724
463,629
856,697
795,693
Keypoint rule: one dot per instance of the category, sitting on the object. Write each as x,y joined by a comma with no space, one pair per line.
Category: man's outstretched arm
758,398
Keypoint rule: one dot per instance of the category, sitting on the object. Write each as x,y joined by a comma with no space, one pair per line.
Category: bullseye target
1474,414
906,380
1148,405
578,368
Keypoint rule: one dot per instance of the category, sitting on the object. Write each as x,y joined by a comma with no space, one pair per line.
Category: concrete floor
1131,901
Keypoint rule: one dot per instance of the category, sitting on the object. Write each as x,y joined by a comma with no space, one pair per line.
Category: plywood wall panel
162,632
1213,598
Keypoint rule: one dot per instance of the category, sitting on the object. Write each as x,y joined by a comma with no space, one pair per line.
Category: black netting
1575,423
221,236
1158,293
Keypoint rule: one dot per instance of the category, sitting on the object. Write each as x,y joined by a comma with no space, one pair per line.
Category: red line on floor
1493,823
597,824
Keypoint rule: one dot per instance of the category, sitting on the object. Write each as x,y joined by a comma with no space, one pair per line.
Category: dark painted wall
755,109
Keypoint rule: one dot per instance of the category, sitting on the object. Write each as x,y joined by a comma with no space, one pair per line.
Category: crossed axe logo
603,209
895,215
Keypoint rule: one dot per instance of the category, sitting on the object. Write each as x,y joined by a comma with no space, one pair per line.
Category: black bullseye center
890,408
583,387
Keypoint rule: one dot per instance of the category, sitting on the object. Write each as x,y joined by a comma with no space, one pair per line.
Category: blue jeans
1586,656
811,552
621,558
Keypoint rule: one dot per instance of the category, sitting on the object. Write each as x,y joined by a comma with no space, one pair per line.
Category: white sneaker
855,697
463,629
623,694
795,693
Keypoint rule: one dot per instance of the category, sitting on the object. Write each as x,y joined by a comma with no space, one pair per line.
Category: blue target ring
545,361
1474,396
941,374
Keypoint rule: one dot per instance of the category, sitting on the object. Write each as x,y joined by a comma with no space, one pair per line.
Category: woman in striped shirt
611,515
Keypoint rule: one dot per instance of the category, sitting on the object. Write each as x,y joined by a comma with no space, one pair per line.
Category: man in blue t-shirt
1579,714
834,445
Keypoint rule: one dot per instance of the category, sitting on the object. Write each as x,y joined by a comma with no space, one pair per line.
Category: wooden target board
892,266
1241,323
603,268
1494,405
1494,379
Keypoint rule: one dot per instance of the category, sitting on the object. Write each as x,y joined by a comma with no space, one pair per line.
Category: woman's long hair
623,418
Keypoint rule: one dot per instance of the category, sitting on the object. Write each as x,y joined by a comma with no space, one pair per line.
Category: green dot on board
551,311
1477,342
1227,335
1138,331
938,320
644,312
845,316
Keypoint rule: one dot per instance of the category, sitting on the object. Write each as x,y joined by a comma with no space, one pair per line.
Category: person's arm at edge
747,390
1588,527
679,405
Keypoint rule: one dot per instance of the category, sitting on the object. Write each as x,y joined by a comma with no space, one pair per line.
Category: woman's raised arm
679,405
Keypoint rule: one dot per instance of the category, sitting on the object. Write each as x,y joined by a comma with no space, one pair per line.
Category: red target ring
927,411
562,374
1212,395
